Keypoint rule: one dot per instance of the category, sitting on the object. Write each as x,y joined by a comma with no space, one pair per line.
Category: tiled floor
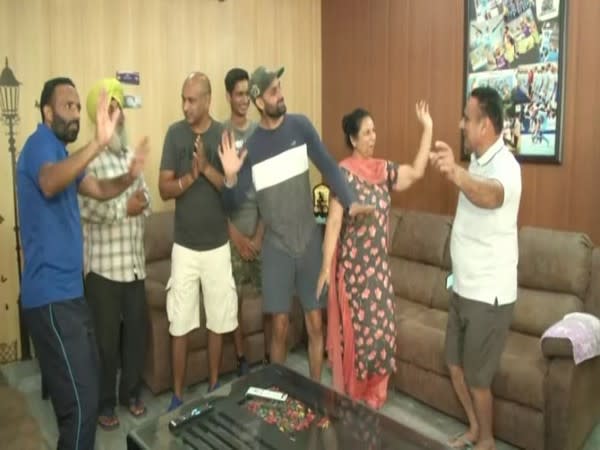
25,376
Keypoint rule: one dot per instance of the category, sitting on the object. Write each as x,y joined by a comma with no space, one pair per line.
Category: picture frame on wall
518,47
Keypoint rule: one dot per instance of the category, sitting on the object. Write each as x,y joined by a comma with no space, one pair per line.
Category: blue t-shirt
50,227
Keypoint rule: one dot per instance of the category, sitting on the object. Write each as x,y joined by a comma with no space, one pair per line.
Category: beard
65,131
275,112
118,141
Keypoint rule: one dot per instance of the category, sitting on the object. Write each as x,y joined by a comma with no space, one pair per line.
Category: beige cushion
552,260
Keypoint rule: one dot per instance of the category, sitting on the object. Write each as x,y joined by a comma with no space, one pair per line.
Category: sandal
136,407
459,441
108,423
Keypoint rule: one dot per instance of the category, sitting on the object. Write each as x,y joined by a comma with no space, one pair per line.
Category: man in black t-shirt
191,173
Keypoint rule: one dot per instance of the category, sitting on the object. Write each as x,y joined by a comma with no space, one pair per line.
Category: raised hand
422,110
443,160
136,165
105,122
230,158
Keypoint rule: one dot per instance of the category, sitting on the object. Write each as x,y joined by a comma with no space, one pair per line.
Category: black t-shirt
200,220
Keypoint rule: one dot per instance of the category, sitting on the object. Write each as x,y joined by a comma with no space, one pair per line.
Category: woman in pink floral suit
361,330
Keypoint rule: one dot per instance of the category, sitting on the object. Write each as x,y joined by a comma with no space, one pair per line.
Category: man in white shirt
484,251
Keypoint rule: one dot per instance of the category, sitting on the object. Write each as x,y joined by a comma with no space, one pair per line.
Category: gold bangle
180,185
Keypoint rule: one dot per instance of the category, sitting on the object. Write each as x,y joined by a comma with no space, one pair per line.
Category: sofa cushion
414,280
252,315
441,294
159,270
553,260
198,338
420,340
405,309
520,377
158,236
421,237
535,310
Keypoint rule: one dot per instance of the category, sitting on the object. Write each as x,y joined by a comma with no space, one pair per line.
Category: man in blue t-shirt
276,168
54,309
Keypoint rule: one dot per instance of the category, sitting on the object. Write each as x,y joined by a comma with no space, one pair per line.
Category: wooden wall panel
164,40
386,55
423,41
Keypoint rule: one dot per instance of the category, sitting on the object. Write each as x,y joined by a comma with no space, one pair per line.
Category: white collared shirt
484,246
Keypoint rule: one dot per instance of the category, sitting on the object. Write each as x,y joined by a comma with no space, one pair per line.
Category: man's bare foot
360,208
485,445
464,440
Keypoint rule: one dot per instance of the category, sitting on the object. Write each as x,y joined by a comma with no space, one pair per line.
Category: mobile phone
449,281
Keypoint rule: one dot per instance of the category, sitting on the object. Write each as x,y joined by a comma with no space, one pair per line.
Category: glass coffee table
313,416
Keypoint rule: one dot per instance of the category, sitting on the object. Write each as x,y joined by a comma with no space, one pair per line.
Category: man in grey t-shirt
246,230
191,173
277,163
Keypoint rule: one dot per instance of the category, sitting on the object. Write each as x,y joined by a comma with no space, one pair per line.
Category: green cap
261,79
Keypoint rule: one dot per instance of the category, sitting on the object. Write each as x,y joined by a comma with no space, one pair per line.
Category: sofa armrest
571,402
157,367
553,347
156,295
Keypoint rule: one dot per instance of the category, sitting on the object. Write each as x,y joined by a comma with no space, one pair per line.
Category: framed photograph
518,47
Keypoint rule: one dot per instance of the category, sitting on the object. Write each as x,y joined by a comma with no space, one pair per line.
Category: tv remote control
181,420
266,393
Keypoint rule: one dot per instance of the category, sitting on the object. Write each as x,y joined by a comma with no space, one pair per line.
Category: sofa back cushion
557,261
158,236
420,237
419,255
554,274
536,310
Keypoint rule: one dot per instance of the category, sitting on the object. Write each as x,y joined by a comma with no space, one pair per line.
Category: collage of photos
514,46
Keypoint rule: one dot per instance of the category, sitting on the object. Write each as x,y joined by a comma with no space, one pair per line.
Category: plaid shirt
113,241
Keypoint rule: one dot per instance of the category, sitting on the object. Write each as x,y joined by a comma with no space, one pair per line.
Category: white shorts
211,270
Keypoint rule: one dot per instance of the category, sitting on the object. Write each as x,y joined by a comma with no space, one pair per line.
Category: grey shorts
284,275
475,338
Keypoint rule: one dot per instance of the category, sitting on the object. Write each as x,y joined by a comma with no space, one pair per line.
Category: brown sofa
18,428
158,241
542,400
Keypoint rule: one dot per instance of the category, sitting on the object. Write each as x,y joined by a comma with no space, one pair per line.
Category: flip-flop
136,408
108,423
459,441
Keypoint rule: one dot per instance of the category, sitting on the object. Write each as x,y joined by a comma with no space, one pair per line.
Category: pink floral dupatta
340,334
